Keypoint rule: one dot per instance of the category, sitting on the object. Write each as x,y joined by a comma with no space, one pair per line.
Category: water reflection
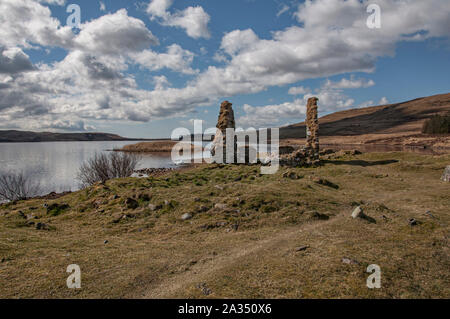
55,164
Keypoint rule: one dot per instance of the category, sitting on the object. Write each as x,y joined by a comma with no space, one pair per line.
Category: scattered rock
446,175
42,226
105,242
131,203
349,261
21,214
186,216
115,197
205,290
358,213
238,179
202,209
220,206
291,175
428,213
413,222
319,216
154,207
302,248
325,182
219,187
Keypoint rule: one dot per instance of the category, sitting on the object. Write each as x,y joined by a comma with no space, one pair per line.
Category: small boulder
319,216
154,207
302,248
358,212
349,261
186,216
446,175
220,206
42,226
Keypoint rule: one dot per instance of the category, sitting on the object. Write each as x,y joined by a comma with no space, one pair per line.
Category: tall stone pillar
312,131
225,121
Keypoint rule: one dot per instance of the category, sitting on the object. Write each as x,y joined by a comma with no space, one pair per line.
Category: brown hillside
388,124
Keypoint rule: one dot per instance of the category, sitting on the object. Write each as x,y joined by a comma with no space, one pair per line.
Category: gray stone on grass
186,216
446,175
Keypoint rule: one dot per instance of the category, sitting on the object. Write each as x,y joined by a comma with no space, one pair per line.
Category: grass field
250,236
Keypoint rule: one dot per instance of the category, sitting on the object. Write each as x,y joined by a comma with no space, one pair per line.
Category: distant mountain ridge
13,136
399,118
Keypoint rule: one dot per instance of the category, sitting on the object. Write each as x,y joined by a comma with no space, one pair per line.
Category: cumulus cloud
331,38
298,90
113,34
194,20
351,83
176,58
14,60
331,98
260,116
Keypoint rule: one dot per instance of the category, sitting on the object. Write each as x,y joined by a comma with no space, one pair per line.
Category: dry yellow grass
248,249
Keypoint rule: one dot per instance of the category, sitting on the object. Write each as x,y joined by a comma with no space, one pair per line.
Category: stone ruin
309,155
226,120
446,176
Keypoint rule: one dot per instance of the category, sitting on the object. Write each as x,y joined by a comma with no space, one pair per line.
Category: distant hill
393,119
13,136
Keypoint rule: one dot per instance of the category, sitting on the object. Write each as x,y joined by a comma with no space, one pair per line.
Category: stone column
312,131
446,175
225,121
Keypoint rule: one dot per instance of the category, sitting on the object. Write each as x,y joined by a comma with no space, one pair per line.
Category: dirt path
202,271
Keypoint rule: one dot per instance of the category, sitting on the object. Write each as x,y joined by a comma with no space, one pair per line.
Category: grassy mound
250,235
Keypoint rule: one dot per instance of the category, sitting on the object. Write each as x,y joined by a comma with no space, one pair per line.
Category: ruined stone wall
312,131
226,120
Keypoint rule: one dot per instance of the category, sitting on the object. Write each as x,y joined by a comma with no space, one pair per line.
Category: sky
143,68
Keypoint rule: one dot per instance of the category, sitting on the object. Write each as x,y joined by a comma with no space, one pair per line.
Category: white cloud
25,23
194,20
383,101
176,59
331,98
261,116
298,90
102,6
285,8
351,83
14,60
91,83
115,34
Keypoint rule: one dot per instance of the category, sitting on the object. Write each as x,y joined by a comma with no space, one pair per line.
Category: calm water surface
55,164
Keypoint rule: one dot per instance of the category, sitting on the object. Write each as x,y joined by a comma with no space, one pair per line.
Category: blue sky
143,68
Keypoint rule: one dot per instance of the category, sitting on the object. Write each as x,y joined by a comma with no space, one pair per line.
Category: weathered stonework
225,121
312,130
309,155
446,175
